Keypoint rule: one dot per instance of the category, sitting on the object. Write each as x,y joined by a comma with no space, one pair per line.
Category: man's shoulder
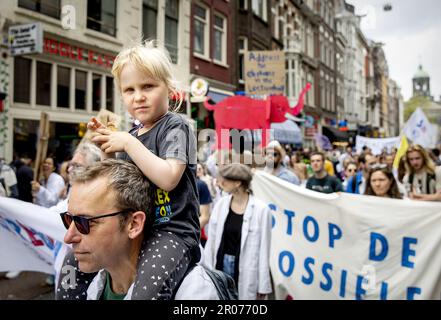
6,169
201,183
285,172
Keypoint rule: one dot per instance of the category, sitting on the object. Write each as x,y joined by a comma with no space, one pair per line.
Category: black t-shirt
24,177
176,211
230,243
204,192
327,184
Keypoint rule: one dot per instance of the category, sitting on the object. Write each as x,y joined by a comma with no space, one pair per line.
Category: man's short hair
318,153
132,188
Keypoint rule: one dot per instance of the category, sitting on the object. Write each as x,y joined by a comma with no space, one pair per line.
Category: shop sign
199,88
26,39
76,53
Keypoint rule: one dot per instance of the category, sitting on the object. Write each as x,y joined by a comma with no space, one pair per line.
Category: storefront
70,81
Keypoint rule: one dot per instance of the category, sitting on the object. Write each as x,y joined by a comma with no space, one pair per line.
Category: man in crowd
274,155
422,177
322,181
357,183
25,175
106,223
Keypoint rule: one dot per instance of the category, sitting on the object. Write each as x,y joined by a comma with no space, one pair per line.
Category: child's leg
162,265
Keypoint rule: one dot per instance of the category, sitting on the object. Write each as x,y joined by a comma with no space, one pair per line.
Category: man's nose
72,235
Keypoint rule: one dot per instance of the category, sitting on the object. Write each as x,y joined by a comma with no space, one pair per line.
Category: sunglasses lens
82,225
67,219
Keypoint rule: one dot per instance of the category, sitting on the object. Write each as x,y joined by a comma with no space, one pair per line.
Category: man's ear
136,225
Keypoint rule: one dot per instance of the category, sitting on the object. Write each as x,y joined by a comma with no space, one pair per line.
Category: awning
287,132
335,135
216,96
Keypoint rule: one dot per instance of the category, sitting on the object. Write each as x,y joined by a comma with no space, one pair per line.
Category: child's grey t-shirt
175,211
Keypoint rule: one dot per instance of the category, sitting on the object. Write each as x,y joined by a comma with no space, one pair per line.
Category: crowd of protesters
187,205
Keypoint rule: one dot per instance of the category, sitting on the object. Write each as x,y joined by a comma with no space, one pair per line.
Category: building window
201,22
149,18
63,84
44,83
50,8
109,94
243,48
171,28
259,8
80,89
243,4
22,80
96,92
101,16
220,39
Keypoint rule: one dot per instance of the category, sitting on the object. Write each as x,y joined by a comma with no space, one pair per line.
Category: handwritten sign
264,72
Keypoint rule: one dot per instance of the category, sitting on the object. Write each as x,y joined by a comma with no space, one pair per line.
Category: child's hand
110,141
94,124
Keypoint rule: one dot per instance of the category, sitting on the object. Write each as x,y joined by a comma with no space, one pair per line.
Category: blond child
163,147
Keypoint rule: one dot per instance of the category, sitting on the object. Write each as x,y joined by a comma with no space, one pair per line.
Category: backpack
224,283
429,178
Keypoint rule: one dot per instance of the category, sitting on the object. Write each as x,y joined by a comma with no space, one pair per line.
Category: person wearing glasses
357,184
274,156
350,170
321,181
107,226
381,182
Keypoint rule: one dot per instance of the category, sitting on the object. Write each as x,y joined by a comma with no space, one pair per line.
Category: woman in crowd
47,192
239,234
381,183
298,166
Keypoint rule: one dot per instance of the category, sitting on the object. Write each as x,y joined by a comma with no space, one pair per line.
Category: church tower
421,83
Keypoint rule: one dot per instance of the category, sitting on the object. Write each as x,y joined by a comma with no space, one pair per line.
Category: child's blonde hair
155,61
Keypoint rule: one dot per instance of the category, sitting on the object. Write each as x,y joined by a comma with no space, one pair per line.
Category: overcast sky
411,33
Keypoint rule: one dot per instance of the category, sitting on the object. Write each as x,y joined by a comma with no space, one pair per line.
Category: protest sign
345,246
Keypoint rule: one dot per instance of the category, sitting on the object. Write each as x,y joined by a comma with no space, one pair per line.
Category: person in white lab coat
239,235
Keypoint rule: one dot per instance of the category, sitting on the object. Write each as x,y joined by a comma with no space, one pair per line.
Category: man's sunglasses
82,223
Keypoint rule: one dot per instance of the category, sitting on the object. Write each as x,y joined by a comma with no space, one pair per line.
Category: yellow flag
404,145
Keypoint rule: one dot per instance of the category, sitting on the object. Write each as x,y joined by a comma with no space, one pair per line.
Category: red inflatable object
240,112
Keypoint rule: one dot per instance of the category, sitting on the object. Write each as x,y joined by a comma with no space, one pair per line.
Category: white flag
419,130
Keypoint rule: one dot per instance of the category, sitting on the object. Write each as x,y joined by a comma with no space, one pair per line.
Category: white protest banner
376,144
345,246
30,236
419,130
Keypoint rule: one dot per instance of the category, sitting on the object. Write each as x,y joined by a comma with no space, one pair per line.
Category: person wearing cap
274,156
239,234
